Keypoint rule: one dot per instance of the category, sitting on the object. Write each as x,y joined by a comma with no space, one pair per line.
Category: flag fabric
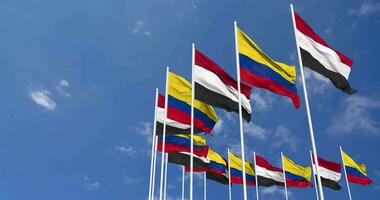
268,175
259,70
236,172
320,57
216,87
356,173
330,173
218,168
200,163
173,124
179,105
296,175
182,143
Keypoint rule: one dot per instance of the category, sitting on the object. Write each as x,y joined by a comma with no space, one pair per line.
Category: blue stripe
183,106
217,166
291,176
238,173
266,72
180,141
354,172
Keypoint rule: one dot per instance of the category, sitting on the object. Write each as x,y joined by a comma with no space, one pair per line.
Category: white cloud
60,87
262,100
328,32
41,97
218,126
141,27
145,129
126,149
283,137
255,131
130,180
365,9
316,83
356,115
274,190
91,185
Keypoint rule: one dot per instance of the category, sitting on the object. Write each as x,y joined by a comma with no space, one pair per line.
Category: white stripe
328,174
277,176
203,159
326,56
212,82
169,122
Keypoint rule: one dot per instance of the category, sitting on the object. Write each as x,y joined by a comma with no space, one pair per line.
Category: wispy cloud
219,126
91,185
283,137
140,27
145,129
262,100
130,180
126,149
365,9
275,190
42,98
61,86
316,83
356,115
255,131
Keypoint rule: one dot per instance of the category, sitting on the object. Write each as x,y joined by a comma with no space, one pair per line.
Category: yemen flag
296,175
216,87
173,124
329,172
356,173
182,143
259,70
268,175
320,57
200,163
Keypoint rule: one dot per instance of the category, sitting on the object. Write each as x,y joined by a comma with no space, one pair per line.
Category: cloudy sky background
78,79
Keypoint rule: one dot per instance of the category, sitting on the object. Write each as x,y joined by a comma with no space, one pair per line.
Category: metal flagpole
192,121
164,133
154,167
204,186
307,107
183,182
315,181
229,175
256,180
153,147
166,174
284,175
240,112
345,173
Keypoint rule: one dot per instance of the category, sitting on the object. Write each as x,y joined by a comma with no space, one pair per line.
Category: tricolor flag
259,70
296,175
236,168
216,87
330,173
182,143
268,175
179,105
320,57
200,163
356,173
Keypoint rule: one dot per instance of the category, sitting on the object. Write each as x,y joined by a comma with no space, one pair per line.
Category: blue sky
78,79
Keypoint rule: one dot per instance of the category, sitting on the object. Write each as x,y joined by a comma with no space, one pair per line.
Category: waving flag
259,70
182,143
356,173
320,57
268,175
179,105
216,87
200,163
329,172
218,168
296,175
237,171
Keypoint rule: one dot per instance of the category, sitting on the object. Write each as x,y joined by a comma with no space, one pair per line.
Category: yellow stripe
180,88
349,162
236,163
213,156
293,168
250,49
198,140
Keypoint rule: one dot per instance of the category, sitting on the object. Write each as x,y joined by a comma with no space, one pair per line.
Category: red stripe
172,148
260,161
303,27
184,118
200,169
268,84
161,101
330,165
299,184
359,180
203,61
238,180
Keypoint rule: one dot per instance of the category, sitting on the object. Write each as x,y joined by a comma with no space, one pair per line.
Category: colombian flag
296,175
179,105
182,143
259,70
356,173
237,171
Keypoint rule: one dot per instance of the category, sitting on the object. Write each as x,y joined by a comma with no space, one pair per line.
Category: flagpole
166,174
284,175
153,148
204,186
345,173
315,181
229,175
154,167
183,182
240,111
314,147
256,180
164,133
192,121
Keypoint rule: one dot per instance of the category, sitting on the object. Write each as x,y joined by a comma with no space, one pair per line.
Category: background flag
268,175
330,173
181,143
237,171
356,173
296,175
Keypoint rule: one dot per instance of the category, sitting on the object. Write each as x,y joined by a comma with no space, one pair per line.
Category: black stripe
215,99
337,79
171,130
267,182
217,177
184,159
329,183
